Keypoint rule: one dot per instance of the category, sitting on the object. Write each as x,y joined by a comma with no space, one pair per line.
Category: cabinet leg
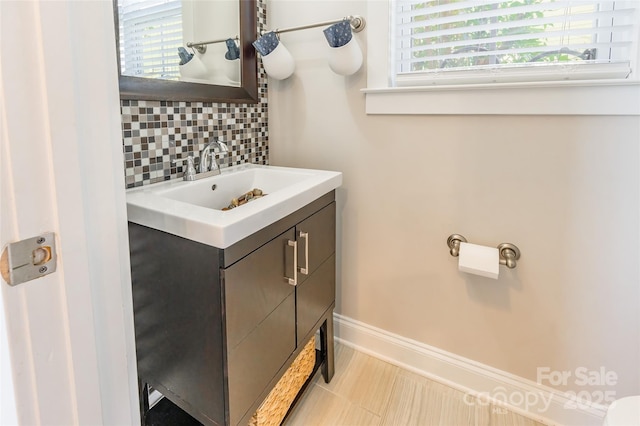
143,393
326,342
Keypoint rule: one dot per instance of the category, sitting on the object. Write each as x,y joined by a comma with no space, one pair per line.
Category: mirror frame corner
138,88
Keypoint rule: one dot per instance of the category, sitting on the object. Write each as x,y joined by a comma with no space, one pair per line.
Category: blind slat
536,50
516,73
137,9
601,33
173,38
568,23
584,8
444,35
410,9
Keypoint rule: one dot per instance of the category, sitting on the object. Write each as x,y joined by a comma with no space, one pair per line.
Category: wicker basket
277,403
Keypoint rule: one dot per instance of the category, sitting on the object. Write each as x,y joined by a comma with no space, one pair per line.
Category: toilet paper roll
479,260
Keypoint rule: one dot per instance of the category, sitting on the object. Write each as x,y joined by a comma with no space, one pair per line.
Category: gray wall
565,189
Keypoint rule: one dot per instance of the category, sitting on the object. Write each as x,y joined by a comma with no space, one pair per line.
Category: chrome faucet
208,163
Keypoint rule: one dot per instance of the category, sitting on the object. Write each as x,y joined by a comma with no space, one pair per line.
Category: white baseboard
523,396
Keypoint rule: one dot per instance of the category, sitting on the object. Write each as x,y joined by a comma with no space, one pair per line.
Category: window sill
615,97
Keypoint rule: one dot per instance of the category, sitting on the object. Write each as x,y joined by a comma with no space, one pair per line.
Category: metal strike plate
28,259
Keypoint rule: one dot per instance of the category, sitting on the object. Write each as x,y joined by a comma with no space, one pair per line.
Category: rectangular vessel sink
193,210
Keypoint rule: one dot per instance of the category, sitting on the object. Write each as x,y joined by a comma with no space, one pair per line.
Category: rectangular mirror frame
162,90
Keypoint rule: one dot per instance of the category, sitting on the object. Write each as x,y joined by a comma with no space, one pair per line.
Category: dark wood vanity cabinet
217,328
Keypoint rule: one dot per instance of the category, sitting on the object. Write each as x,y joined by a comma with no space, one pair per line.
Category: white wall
564,189
203,21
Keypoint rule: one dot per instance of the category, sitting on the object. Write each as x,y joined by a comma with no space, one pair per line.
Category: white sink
193,210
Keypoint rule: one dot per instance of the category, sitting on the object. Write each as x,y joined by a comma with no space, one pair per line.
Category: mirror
174,87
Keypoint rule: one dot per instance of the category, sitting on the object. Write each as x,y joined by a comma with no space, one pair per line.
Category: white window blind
150,34
467,41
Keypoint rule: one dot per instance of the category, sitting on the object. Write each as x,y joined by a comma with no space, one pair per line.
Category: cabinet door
254,362
255,286
260,321
314,297
316,237
316,289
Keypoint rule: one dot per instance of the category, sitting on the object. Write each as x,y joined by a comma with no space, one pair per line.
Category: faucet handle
223,146
190,173
182,160
224,149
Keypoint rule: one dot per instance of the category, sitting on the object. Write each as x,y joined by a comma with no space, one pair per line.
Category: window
444,42
150,34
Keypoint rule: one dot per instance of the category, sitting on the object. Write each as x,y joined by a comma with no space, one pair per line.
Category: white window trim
606,97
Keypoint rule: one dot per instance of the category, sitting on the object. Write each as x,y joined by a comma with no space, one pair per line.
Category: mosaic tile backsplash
157,133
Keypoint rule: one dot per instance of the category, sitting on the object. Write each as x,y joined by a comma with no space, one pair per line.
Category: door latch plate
28,259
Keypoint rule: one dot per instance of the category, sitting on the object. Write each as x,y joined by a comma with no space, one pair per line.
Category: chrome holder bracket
509,253
453,242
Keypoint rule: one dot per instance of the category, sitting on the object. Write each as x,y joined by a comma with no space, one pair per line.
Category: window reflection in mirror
154,36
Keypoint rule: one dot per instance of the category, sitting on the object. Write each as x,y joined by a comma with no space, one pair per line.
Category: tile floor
367,391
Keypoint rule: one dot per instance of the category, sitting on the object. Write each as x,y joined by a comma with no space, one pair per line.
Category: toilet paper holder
509,253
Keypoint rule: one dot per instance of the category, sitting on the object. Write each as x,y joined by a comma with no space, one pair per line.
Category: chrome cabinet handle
305,270
294,280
